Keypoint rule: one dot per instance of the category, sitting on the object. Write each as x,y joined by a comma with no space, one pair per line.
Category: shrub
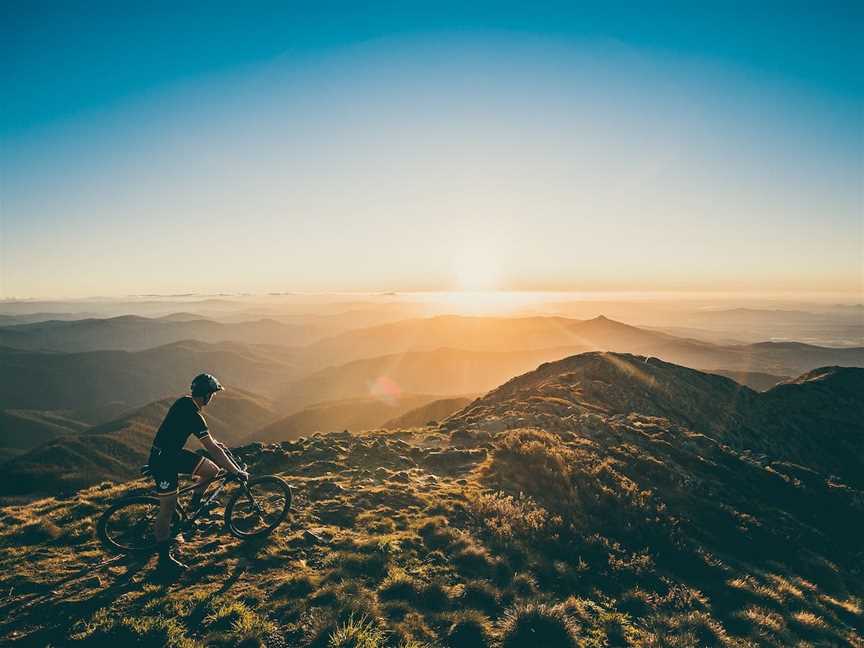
396,610
469,629
479,595
437,534
232,623
372,565
538,625
507,517
147,632
524,585
474,561
538,464
361,632
433,596
37,533
399,586
295,586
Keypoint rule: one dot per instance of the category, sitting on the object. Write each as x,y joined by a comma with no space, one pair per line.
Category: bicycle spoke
131,527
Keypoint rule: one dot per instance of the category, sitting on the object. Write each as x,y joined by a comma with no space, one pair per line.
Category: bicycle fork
252,501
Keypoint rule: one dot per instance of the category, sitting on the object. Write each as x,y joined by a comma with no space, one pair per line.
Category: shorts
165,467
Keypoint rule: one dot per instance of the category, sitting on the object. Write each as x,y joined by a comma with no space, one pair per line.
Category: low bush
509,518
537,463
361,632
538,625
437,534
295,586
399,586
232,623
371,565
36,533
105,631
469,629
474,562
479,595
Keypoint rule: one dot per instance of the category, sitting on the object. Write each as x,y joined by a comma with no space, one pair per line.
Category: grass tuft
361,632
536,624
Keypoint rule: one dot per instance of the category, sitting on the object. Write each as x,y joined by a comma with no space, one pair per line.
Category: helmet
205,384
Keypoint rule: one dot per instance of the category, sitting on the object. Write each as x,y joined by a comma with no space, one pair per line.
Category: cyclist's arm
216,451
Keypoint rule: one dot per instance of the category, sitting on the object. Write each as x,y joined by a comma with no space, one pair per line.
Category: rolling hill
427,414
753,379
446,372
25,429
354,414
75,381
815,420
117,449
597,334
134,333
466,333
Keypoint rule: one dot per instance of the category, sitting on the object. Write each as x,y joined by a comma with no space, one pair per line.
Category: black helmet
205,384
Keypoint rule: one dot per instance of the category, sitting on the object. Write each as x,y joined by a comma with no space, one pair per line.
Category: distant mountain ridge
116,450
53,380
24,429
355,414
432,412
441,371
486,334
135,333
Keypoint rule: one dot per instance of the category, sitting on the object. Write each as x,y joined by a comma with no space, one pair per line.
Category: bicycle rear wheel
128,525
258,507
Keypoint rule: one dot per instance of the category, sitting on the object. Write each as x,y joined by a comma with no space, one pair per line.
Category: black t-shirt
182,419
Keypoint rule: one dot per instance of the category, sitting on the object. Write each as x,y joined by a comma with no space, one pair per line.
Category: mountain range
57,395
134,333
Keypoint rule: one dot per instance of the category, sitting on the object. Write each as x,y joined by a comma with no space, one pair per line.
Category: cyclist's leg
205,472
167,504
167,490
202,469
165,542
164,473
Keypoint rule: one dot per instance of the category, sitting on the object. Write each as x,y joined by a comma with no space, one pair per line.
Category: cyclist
168,458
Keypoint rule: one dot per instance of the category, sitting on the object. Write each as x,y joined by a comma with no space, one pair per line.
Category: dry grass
538,538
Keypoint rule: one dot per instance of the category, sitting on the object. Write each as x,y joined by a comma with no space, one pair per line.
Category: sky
181,147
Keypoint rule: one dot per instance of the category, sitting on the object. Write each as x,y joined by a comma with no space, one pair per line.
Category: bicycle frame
222,476
225,478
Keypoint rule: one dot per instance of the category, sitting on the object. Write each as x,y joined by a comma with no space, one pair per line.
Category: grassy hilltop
602,500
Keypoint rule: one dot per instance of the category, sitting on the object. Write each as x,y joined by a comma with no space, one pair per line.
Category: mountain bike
255,508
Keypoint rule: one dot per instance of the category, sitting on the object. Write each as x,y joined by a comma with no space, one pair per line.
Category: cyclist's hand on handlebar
242,475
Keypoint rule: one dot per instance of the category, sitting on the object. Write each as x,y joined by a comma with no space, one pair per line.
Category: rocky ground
525,521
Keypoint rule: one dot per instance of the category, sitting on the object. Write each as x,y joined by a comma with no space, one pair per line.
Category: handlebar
235,459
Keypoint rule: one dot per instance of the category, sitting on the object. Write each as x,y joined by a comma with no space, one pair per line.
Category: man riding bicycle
168,458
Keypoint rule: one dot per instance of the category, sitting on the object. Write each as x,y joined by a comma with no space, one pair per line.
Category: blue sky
523,145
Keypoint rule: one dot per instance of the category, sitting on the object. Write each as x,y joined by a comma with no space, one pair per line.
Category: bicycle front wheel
258,507
128,526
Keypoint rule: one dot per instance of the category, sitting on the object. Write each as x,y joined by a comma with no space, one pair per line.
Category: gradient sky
172,147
